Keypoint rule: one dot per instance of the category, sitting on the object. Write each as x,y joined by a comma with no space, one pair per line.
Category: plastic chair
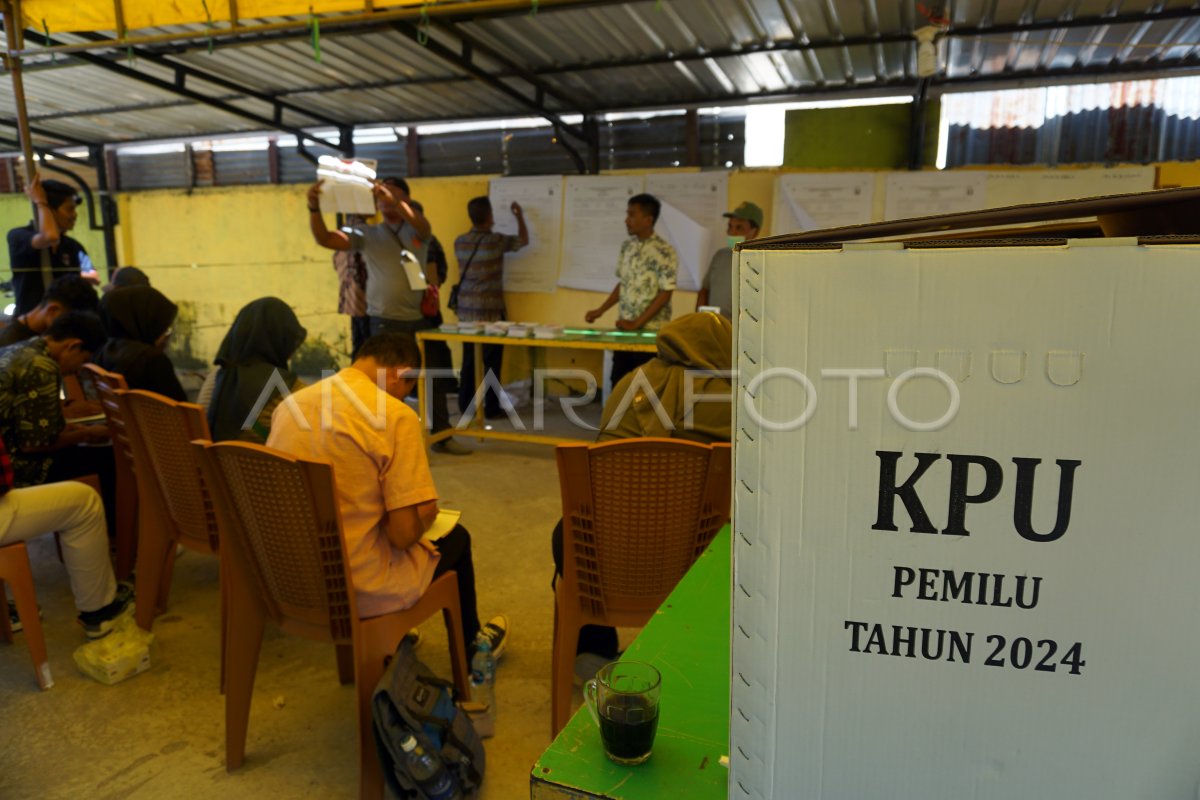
175,504
14,569
106,385
285,558
636,514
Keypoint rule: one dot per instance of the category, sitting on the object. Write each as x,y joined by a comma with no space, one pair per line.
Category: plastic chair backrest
161,429
279,518
107,384
636,514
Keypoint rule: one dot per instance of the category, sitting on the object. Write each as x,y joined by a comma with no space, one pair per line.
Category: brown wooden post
691,137
412,148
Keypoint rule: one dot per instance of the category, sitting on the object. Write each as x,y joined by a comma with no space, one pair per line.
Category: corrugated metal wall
649,143
1132,121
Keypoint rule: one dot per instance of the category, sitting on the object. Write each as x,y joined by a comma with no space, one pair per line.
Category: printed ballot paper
347,188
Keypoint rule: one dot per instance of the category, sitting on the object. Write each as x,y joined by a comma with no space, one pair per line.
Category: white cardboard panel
1083,353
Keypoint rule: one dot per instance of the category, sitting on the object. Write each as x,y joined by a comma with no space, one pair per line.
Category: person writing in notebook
358,421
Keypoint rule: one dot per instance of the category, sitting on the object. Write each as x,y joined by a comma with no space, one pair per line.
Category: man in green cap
745,222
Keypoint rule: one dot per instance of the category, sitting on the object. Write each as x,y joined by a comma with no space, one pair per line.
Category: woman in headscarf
696,349
252,364
138,320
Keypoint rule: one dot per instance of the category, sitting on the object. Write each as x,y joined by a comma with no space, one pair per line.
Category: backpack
411,699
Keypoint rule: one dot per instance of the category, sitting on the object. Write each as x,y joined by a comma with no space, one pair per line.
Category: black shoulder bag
452,303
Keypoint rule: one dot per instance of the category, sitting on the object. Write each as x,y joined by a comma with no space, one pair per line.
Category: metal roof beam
191,72
1130,18
178,87
542,88
463,61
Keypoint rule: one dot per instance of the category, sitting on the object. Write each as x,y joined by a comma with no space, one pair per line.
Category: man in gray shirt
393,304
745,222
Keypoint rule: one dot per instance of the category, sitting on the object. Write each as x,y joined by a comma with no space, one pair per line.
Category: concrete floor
161,734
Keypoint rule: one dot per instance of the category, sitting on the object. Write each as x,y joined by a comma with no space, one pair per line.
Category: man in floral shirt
646,270
38,438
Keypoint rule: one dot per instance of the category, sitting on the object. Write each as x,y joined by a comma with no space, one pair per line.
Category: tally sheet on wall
691,242
925,194
594,228
811,201
976,581
702,197
533,268
1014,187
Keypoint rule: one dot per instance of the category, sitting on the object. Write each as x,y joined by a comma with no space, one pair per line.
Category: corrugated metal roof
596,55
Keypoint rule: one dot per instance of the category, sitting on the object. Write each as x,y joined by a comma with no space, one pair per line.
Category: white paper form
348,185
593,229
690,240
703,197
1014,187
923,194
822,200
533,268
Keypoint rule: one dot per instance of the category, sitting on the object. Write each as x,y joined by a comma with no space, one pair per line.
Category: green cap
747,211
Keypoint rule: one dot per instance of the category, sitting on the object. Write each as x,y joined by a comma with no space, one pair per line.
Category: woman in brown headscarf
653,400
695,350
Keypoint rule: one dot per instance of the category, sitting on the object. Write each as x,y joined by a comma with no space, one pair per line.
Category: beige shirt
379,465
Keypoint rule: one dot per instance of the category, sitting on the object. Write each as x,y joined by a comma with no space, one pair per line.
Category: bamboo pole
14,35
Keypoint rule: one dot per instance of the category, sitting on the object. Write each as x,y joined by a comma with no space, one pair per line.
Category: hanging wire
46,28
423,25
208,24
315,24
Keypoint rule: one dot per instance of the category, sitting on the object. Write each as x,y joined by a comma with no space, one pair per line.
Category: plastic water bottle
428,771
483,686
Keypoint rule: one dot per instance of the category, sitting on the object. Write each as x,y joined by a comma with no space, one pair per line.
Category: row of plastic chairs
274,523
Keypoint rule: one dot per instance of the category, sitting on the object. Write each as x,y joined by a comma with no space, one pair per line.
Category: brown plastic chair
175,504
636,514
14,569
106,385
285,560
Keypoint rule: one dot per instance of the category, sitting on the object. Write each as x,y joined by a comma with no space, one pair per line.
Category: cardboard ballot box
965,533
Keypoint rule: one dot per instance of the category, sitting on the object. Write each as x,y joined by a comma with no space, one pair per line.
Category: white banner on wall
594,228
812,201
1014,187
703,198
924,194
533,268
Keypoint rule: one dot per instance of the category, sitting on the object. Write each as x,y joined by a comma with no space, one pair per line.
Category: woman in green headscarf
252,365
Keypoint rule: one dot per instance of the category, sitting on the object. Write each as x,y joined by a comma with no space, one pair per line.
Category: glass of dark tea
623,699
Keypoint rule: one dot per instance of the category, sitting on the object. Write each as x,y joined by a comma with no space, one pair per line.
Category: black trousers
455,548
598,639
437,356
77,462
625,362
360,331
493,358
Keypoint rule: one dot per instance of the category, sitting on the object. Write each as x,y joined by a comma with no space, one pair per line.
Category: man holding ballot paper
394,252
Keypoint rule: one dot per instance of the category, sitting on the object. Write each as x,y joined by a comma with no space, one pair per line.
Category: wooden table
572,339
688,641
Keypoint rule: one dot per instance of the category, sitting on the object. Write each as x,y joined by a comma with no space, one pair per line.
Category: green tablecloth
688,641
